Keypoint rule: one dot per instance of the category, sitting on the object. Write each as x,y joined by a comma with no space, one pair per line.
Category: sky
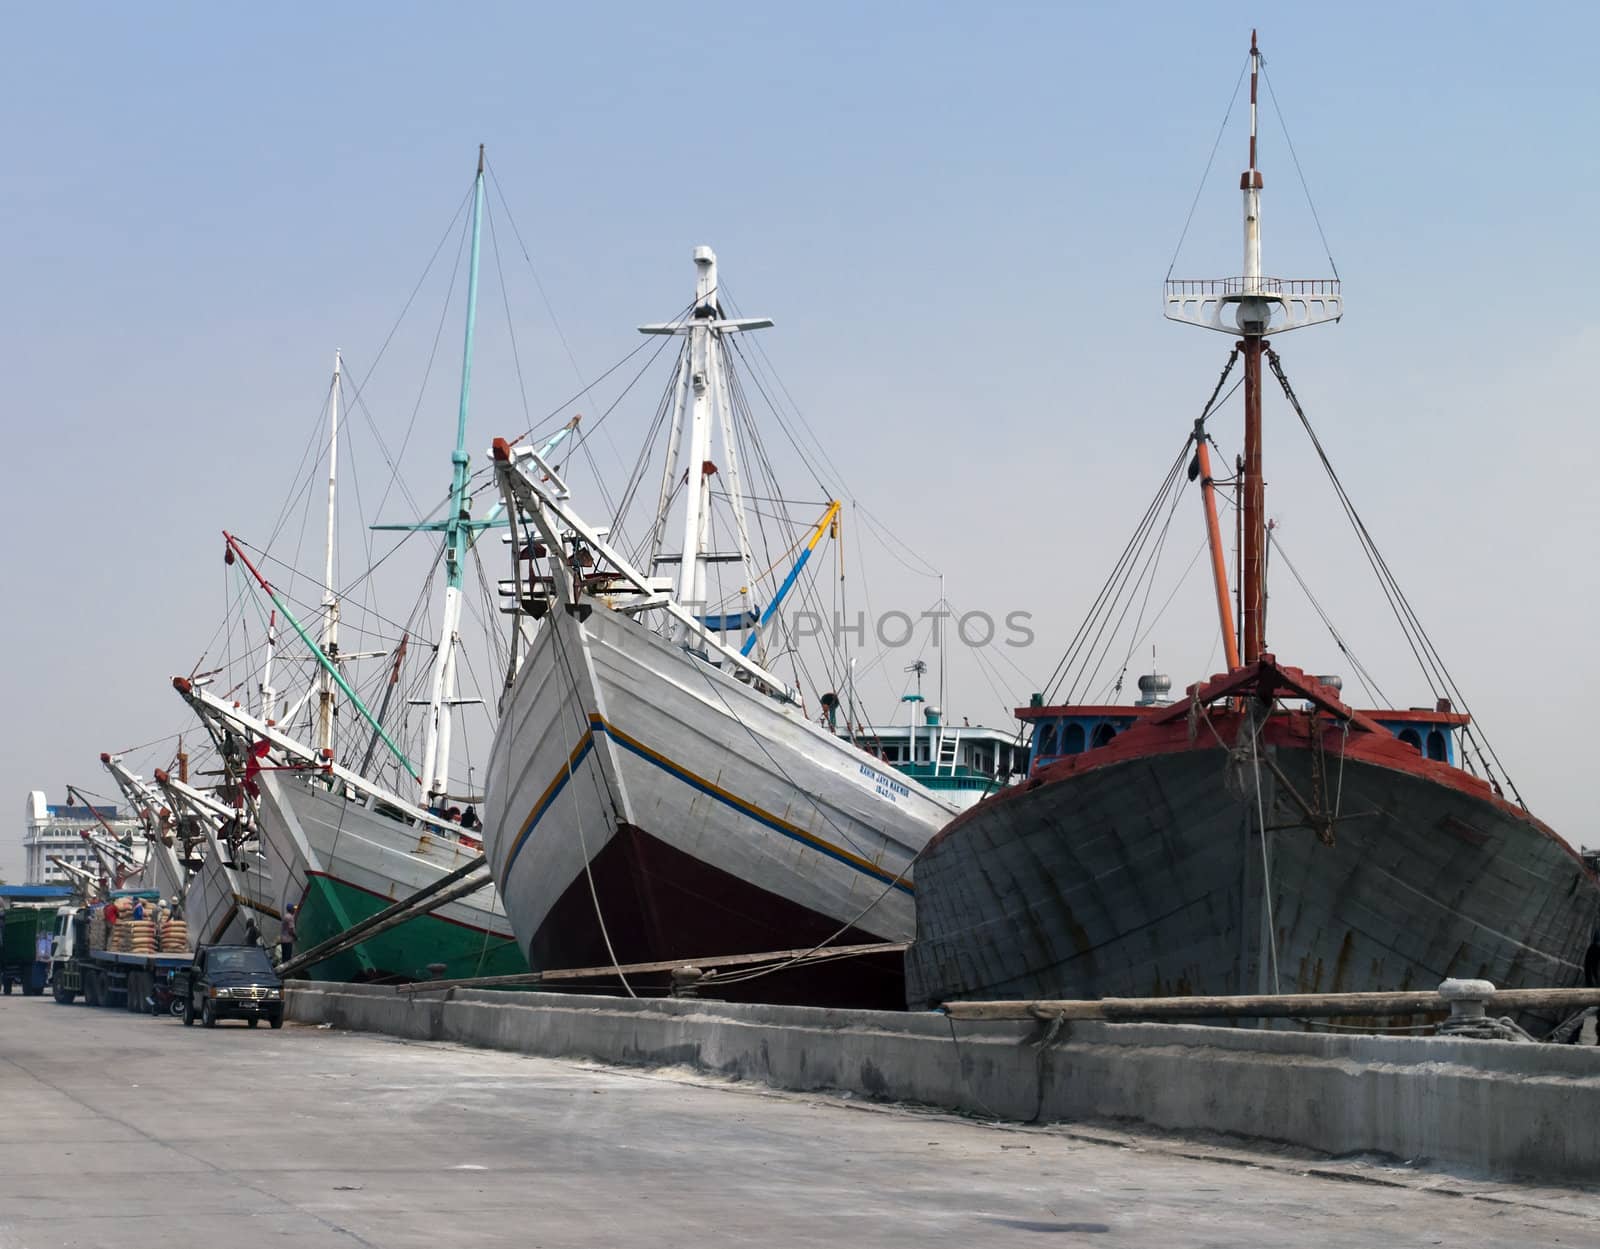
959,217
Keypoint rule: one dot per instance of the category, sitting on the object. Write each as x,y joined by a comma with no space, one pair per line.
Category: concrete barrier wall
1494,1108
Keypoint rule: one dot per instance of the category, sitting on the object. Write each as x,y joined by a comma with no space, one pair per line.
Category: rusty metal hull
1145,877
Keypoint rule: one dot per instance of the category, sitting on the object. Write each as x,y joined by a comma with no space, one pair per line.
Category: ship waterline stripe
443,919
557,784
792,831
598,723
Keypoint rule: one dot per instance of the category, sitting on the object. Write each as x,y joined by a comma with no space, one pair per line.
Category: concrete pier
1488,1107
121,1129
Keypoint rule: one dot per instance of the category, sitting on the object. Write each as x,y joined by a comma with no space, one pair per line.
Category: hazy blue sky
959,215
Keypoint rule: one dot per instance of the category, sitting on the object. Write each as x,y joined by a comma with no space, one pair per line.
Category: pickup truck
230,982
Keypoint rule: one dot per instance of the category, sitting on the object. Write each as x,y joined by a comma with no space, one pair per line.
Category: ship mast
702,393
457,534
330,600
1254,315
1261,306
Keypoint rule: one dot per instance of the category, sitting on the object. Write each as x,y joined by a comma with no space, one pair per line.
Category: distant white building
56,830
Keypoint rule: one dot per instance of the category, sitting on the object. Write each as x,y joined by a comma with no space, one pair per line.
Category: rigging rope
1266,863
1368,683
427,372
1422,647
1111,592
1226,113
1283,124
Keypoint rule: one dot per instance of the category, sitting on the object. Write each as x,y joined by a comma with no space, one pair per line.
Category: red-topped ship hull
1137,867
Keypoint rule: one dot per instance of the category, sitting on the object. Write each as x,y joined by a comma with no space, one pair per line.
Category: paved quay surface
120,1129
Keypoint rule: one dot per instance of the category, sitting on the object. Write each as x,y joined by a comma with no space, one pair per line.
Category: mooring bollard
436,971
1467,999
1469,1017
686,981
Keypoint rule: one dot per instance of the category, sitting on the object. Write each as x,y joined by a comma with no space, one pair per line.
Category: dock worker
286,934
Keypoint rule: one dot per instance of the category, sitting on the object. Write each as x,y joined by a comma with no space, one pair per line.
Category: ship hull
638,793
220,903
161,871
340,863
1146,877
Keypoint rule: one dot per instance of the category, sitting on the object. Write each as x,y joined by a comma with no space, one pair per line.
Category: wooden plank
806,954
1270,1006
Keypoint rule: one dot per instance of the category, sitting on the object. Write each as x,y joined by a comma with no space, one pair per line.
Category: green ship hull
403,952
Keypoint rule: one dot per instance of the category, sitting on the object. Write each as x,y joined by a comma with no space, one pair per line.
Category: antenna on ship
918,668
1253,306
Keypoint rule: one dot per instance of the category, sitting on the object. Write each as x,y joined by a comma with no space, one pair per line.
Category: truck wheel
178,1011
252,1021
63,996
276,1021
208,1014
188,1012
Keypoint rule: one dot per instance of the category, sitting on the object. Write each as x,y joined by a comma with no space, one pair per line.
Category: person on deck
286,935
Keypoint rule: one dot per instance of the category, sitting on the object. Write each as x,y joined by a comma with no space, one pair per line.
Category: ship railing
1294,288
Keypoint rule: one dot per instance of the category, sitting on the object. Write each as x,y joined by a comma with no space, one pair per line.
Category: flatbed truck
104,977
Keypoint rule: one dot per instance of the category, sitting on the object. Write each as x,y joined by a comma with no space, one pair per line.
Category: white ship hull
339,861
696,809
220,901
161,871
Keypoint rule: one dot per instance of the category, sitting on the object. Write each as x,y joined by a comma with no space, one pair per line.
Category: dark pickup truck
231,982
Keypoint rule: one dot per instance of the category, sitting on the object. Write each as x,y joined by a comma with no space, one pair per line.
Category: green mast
457,533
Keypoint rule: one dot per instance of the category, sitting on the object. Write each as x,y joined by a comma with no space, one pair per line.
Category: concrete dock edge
1489,1107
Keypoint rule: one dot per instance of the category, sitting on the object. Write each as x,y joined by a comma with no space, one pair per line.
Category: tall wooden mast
1260,306
1254,316
330,596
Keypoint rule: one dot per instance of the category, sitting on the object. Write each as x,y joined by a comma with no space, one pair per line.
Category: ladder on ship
949,751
